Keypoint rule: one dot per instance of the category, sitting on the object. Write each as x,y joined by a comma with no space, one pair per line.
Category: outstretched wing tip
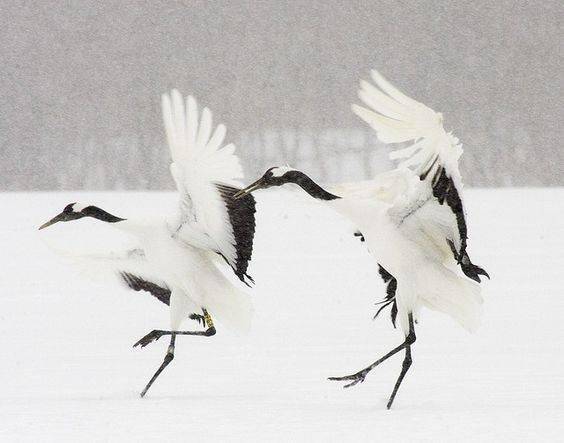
192,103
376,76
398,118
355,107
201,162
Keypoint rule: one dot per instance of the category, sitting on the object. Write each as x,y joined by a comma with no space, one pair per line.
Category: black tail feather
390,299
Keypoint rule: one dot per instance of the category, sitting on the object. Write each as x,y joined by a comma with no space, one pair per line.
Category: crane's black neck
100,214
308,185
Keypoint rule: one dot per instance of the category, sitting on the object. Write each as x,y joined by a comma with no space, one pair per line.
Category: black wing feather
444,190
162,294
242,218
139,284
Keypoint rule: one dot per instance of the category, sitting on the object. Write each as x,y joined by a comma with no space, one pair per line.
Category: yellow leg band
207,317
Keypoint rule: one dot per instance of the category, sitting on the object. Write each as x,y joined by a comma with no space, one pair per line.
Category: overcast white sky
80,83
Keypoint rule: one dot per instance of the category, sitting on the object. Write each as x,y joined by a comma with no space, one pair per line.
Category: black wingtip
472,271
250,283
241,214
244,277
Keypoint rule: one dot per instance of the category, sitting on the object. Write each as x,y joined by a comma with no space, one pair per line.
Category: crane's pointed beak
54,220
259,184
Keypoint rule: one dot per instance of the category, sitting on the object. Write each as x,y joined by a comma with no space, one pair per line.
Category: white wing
126,264
206,174
397,118
433,158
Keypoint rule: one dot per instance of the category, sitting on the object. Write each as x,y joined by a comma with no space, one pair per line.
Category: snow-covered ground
69,371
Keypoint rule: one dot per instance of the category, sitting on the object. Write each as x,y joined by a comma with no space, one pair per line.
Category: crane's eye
68,208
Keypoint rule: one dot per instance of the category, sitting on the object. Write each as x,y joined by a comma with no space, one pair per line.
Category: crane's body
411,218
416,256
177,257
191,274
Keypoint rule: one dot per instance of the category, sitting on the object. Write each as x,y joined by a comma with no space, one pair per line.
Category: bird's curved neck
100,214
308,185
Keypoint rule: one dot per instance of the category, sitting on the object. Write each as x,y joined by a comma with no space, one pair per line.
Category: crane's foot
169,356
201,319
152,336
353,378
359,376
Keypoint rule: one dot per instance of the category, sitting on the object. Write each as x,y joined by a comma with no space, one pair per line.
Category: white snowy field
69,372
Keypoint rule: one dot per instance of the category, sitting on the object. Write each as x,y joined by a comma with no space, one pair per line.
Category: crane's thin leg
169,356
155,334
359,376
404,368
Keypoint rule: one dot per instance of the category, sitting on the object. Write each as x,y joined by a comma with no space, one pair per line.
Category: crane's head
276,176
281,175
74,211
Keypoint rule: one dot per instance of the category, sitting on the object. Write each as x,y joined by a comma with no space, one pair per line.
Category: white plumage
177,257
397,118
412,217
406,226
199,163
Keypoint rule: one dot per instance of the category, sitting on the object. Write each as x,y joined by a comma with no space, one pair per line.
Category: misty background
81,81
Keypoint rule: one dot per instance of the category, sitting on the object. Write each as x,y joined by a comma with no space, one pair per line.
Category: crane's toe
199,318
152,336
354,378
